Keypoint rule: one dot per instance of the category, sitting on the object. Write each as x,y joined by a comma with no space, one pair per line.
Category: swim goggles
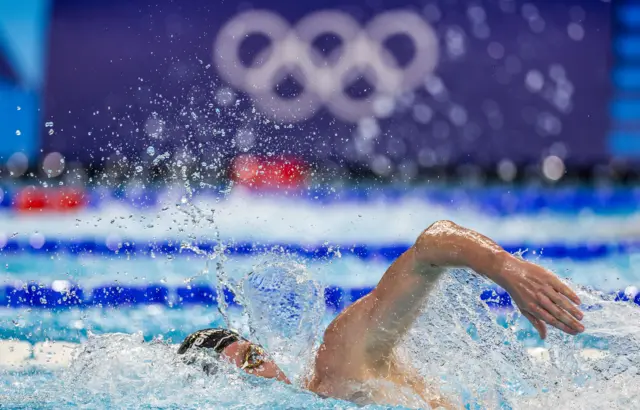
254,357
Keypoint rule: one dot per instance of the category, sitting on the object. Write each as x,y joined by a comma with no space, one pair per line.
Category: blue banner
23,35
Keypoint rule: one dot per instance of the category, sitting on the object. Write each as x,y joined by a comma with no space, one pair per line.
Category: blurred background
148,146
489,91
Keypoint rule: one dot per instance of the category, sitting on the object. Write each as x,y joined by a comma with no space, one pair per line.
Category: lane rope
64,295
388,252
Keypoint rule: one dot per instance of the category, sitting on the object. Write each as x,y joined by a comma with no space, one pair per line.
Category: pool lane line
65,295
387,252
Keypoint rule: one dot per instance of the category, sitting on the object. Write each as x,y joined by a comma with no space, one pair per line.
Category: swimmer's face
254,360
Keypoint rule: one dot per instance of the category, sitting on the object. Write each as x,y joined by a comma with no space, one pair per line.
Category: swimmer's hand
541,296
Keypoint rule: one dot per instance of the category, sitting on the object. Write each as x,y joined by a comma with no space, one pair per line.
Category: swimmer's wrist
502,268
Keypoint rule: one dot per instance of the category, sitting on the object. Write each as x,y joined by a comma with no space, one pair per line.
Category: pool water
481,358
458,342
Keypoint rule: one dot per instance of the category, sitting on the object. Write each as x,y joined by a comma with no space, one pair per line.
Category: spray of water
474,355
285,308
123,371
480,358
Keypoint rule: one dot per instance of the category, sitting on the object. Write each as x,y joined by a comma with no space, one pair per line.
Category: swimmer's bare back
358,346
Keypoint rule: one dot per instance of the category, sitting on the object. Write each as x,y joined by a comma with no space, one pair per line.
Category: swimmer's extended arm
387,313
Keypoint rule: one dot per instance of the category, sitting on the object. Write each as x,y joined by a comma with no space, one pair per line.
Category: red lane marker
33,199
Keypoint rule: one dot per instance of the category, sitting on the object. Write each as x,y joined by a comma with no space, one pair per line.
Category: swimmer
358,346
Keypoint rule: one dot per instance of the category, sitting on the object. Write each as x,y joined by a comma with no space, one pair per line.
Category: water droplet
48,124
151,151
51,131
18,132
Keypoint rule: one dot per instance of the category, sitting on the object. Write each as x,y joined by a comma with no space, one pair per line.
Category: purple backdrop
513,79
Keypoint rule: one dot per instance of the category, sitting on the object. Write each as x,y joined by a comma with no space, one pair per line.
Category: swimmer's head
235,349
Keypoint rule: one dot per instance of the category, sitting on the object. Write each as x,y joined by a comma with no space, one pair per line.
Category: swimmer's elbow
436,234
440,228
434,244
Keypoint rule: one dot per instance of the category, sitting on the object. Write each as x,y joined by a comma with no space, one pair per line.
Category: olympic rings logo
324,78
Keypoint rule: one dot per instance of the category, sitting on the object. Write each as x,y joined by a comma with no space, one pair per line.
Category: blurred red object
33,199
269,173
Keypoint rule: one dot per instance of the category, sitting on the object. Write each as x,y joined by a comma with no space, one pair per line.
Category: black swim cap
216,339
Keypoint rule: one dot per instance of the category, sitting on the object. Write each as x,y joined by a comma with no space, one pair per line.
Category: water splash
281,306
482,357
477,356
285,308
122,371
197,217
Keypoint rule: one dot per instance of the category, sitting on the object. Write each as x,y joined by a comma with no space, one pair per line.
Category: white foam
52,354
16,355
542,354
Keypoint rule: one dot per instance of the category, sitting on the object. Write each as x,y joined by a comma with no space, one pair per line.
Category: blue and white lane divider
109,247
496,200
33,295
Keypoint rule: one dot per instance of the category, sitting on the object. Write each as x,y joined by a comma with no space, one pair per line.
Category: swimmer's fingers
566,290
537,323
542,314
564,303
560,314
